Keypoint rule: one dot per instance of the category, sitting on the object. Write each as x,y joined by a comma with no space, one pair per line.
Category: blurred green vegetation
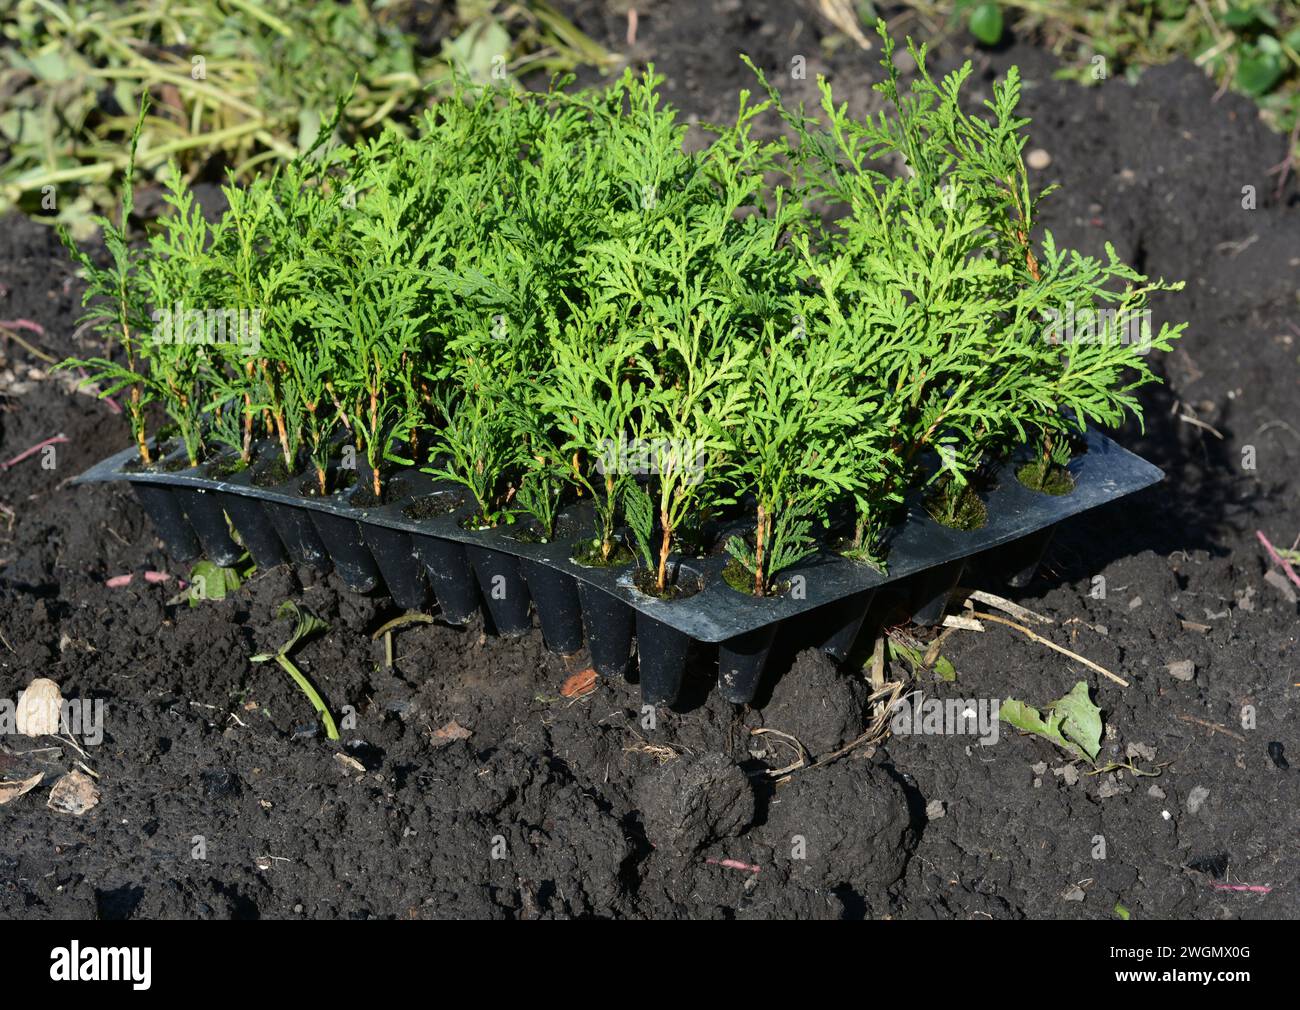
234,83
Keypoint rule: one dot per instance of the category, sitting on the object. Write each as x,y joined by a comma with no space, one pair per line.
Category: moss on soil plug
959,508
1045,477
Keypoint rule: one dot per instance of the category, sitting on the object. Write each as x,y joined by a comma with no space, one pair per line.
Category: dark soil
559,807
818,704
431,506
680,583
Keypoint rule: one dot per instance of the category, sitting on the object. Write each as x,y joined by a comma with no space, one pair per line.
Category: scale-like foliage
936,271
545,298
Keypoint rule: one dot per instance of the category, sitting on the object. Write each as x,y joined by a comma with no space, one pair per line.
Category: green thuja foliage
806,441
545,474
943,286
118,311
689,435
547,299
640,509
599,407
476,447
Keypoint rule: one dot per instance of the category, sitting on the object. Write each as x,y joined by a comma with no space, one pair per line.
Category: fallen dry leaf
348,764
39,707
12,790
452,731
74,794
580,683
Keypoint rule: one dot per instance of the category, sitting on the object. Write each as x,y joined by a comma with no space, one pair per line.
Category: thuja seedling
954,501
545,477
690,430
639,508
476,447
1047,471
545,299
943,287
804,442
117,311
599,413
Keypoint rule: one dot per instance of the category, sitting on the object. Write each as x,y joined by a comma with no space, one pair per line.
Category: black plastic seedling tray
417,560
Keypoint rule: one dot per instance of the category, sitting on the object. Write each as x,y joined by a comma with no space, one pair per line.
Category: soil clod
816,704
847,822
690,803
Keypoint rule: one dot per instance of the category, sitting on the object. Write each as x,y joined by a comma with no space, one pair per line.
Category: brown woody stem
284,439
607,533
662,582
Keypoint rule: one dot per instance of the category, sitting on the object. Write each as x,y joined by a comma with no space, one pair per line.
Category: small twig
54,440
1270,425
1188,419
1277,558
1005,605
877,729
8,328
932,654
793,741
1034,636
413,617
1074,623
71,743
734,864
1235,249
1214,727
878,664
386,632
